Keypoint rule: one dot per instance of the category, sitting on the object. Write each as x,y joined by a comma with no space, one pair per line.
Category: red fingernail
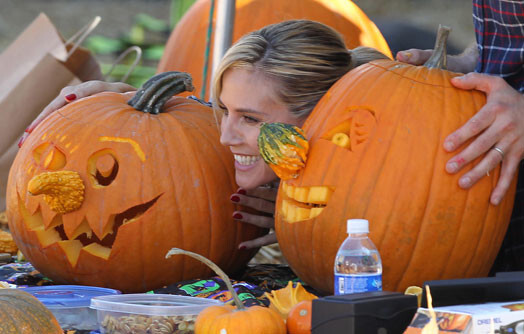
241,191
70,97
242,247
20,142
235,198
28,129
237,216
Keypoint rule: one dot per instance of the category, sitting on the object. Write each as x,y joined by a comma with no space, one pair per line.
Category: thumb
414,56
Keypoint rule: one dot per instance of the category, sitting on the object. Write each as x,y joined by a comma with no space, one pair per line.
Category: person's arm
462,63
72,93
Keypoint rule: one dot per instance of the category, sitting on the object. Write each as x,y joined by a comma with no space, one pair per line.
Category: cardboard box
500,318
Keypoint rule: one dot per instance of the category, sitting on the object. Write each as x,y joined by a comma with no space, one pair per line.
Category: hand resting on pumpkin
499,123
72,93
262,199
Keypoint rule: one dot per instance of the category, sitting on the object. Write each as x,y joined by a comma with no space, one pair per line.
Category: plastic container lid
152,304
357,226
67,296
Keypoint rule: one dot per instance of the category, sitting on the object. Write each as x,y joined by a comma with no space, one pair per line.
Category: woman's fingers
259,204
257,220
267,193
267,239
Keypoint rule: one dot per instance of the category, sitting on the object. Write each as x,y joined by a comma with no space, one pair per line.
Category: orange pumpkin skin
228,319
299,318
21,313
393,174
171,188
342,15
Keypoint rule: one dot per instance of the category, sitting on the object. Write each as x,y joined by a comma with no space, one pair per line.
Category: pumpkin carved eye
49,157
102,168
354,131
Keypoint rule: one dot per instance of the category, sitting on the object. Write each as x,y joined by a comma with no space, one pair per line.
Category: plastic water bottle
358,267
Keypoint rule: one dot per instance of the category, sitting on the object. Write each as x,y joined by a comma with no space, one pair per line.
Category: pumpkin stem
155,92
439,57
216,269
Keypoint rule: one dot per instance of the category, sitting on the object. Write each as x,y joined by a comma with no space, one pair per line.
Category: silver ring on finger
499,150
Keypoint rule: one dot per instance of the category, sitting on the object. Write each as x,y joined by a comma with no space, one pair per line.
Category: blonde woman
275,74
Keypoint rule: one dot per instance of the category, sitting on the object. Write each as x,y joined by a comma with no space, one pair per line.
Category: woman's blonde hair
305,58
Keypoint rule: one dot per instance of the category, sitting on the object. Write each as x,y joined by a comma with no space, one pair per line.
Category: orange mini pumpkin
102,189
391,171
185,49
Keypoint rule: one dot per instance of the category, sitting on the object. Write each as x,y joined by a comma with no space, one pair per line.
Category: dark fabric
511,254
499,29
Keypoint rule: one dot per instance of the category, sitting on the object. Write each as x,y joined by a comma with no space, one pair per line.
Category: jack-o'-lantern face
101,190
307,196
63,186
376,152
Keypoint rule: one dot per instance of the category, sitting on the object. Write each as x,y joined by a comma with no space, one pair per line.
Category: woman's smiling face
249,99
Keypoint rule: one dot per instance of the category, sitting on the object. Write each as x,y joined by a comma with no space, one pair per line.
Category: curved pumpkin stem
216,269
154,93
439,57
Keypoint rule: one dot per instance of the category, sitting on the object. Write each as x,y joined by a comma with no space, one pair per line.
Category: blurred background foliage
148,33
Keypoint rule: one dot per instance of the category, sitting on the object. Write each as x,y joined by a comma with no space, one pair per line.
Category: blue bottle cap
67,296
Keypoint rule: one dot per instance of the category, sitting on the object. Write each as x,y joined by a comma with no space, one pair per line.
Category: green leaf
178,9
104,45
148,22
154,52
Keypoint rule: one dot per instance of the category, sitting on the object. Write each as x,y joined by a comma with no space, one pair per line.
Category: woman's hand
499,127
72,93
261,199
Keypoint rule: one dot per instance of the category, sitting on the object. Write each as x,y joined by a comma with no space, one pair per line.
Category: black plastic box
378,312
502,288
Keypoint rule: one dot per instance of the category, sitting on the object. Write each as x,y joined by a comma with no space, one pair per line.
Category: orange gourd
236,319
22,313
187,44
299,318
102,189
391,172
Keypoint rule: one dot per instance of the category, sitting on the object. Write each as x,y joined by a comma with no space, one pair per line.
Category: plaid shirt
499,27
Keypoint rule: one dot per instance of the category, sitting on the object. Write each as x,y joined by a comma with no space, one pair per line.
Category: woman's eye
251,120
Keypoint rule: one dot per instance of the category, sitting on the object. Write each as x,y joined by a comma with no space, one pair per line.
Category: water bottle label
345,283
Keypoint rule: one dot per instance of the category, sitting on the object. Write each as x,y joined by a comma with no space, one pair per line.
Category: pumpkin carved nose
63,190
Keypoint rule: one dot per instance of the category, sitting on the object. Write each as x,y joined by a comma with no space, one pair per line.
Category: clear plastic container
70,304
358,267
149,313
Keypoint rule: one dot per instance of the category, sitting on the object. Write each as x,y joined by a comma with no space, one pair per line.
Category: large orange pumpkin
186,46
100,191
376,153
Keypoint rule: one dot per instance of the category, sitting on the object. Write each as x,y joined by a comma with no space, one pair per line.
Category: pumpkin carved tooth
63,190
303,203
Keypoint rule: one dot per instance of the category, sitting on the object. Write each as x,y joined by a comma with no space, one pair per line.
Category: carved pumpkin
342,15
390,169
101,190
22,313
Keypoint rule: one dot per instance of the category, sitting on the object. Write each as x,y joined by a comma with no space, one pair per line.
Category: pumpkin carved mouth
82,237
302,203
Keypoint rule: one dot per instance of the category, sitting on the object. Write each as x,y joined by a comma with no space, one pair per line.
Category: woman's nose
228,132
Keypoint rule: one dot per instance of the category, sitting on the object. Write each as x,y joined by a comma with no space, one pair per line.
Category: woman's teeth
246,159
